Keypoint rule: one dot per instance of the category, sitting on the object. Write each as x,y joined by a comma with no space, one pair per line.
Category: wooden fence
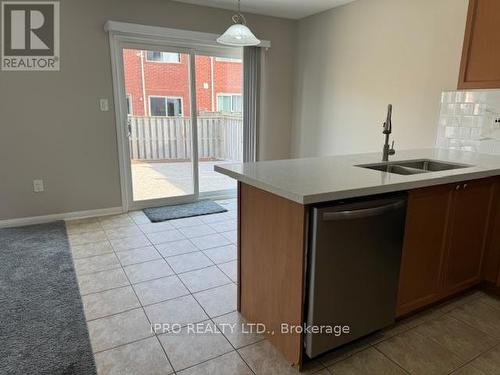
220,137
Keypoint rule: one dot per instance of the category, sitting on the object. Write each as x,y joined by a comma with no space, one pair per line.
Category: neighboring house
163,78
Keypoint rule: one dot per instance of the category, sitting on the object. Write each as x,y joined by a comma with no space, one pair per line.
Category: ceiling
294,9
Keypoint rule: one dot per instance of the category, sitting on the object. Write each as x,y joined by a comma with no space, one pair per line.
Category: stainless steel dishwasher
354,257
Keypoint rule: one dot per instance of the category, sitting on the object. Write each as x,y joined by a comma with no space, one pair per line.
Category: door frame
168,40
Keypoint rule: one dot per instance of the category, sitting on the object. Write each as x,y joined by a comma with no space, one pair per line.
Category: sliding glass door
219,111
184,115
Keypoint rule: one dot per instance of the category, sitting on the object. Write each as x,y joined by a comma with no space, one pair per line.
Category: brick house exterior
171,79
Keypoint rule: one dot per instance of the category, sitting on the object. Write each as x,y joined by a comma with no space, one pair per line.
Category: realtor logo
30,35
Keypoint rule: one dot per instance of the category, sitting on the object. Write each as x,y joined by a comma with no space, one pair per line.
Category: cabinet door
480,66
424,247
467,237
491,259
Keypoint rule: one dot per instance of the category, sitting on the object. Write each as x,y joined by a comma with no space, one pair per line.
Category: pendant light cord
239,18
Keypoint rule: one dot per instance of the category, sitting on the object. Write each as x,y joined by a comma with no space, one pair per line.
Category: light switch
38,186
104,105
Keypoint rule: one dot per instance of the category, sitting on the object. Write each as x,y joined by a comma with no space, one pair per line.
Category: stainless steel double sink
409,167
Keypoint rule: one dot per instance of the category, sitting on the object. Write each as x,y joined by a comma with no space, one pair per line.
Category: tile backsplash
470,120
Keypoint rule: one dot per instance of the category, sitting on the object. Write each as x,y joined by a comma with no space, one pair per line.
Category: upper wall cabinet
480,68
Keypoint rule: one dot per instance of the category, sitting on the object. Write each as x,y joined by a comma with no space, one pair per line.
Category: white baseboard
63,216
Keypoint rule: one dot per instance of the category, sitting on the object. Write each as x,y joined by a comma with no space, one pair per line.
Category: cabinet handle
465,186
457,187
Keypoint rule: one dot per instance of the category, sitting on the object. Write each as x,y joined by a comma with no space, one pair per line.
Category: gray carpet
42,324
180,211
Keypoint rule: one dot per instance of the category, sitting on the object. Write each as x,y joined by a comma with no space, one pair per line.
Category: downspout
143,82
212,82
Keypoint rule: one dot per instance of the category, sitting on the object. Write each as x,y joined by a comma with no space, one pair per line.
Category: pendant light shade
239,34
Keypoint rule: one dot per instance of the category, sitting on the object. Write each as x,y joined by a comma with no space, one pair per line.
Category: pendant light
239,34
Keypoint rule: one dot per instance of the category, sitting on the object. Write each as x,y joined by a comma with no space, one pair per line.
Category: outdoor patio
152,180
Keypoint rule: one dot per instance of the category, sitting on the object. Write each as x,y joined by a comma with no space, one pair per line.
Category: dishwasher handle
363,213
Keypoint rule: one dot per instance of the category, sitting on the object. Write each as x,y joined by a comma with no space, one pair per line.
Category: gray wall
51,126
354,60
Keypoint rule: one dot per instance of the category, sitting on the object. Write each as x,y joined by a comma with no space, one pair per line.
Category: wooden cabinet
467,234
491,262
445,237
424,247
480,67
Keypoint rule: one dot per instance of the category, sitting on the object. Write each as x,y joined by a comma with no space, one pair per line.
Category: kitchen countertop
322,179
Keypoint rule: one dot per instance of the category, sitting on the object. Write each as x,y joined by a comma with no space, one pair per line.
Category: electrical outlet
104,105
38,186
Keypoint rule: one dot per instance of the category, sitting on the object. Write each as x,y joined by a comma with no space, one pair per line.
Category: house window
129,105
231,103
163,57
165,106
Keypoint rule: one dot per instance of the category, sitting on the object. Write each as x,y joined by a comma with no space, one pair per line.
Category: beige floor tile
344,352
197,231
214,218
367,362
83,226
96,264
188,348
203,279
237,330
210,241
91,249
458,301
139,217
230,269
227,364
225,226
100,281
115,330
159,290
419,355
148,271
140,255
173,248
186,222
480,316
109,302
222,254
130,243
178,312
123,232
156,227
490,300
85,238
404,325
460,338
218,301
141,357
264,359
468,369
487,363
165,236
232,236
116,221
189,262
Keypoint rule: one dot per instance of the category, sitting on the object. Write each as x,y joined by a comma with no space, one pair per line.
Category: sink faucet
387,131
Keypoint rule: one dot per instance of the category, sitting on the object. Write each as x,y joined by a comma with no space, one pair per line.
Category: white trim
166,107
62,216
179,36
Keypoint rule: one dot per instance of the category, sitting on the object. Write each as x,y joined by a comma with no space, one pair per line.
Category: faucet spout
388,150
388,121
